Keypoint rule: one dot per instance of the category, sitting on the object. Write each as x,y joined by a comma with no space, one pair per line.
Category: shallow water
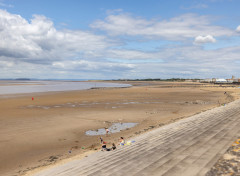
115,128
48,86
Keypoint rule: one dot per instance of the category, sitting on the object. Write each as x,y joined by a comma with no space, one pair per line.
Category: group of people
104,144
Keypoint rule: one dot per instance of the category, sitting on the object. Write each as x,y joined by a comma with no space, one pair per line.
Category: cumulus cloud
204,39
177,28
193,62
90,66
186,62
39,41
238,29
35,48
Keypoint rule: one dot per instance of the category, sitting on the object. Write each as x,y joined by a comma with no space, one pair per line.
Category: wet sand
41,132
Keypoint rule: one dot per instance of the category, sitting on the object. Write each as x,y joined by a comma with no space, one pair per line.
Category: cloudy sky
115,39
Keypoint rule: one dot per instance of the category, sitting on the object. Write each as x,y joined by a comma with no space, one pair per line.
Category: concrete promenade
187,147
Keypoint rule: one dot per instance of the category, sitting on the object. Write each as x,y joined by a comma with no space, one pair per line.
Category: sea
20,87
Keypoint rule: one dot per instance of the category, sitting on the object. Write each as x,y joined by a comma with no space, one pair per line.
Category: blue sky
114,39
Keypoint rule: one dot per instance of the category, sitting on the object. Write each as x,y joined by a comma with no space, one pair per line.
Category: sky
119,39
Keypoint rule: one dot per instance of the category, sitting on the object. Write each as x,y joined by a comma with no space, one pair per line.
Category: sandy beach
41,132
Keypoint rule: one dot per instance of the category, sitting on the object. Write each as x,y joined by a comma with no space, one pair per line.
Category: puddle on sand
115,128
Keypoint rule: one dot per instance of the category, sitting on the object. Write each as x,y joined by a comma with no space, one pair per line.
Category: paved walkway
188,147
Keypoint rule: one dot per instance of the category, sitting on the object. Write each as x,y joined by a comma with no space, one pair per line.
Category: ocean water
19,87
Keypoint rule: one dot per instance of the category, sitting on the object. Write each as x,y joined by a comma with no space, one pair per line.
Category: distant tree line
159,79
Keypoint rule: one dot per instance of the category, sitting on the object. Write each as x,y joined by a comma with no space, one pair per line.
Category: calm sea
17,87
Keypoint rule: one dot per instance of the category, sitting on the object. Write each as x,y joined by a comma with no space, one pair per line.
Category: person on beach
107,131
113,146
104,146
122,142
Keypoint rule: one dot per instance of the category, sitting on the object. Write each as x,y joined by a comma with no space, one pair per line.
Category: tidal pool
115,128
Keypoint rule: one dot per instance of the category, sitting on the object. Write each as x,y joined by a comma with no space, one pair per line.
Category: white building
221,80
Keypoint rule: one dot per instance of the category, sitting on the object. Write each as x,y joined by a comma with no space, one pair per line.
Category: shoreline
155,105
26,87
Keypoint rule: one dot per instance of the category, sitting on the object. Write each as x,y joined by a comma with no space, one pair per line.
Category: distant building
208,80
229,80
236,80
221,80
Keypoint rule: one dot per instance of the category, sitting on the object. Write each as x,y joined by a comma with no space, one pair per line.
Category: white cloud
131,54
36,49
177,28
110,12
204,39
90,66
185,61
5,5
38,41
238,29
193,62
196,6
6,64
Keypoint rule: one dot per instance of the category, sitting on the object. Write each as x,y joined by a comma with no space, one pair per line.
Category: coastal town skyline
119,39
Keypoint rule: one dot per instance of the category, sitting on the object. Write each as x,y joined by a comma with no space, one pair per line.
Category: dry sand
41,132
